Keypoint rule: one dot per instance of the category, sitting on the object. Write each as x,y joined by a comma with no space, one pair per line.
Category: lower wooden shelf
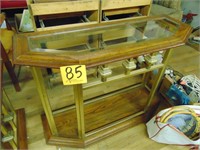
117,109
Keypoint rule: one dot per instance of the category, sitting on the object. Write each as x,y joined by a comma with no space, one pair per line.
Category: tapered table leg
158,78
78,97
37,75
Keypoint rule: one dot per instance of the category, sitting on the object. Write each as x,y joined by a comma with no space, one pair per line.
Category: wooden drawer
63,7
124,13
114,10
52,14
115,4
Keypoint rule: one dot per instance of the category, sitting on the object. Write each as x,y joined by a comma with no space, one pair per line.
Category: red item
8,4
189,16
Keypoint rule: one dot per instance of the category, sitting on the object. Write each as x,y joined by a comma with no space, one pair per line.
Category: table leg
37,75
158,78
78,97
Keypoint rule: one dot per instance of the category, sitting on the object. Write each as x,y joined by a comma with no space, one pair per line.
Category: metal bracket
129,65
150,60
104,72
41,23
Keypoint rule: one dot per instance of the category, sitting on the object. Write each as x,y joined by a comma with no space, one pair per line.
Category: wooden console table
109,51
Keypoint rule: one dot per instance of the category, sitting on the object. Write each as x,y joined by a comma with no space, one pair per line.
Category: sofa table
112,53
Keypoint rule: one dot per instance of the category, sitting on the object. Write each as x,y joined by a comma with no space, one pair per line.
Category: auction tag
75,74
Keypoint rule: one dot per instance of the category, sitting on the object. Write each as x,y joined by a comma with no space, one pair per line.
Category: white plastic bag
163,132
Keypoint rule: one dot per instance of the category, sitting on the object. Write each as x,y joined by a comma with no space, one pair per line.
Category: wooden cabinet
50,14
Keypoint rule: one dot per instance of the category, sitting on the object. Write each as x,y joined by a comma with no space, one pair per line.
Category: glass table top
99,43
99,38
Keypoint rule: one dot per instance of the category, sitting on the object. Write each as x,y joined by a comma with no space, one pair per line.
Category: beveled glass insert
101,37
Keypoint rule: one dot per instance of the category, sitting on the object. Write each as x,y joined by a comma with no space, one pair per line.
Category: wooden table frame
85,138
22,56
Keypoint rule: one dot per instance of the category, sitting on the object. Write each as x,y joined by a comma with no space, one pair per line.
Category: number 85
70,74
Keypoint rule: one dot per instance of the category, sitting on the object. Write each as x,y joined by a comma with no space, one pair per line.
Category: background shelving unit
48,15
113,10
